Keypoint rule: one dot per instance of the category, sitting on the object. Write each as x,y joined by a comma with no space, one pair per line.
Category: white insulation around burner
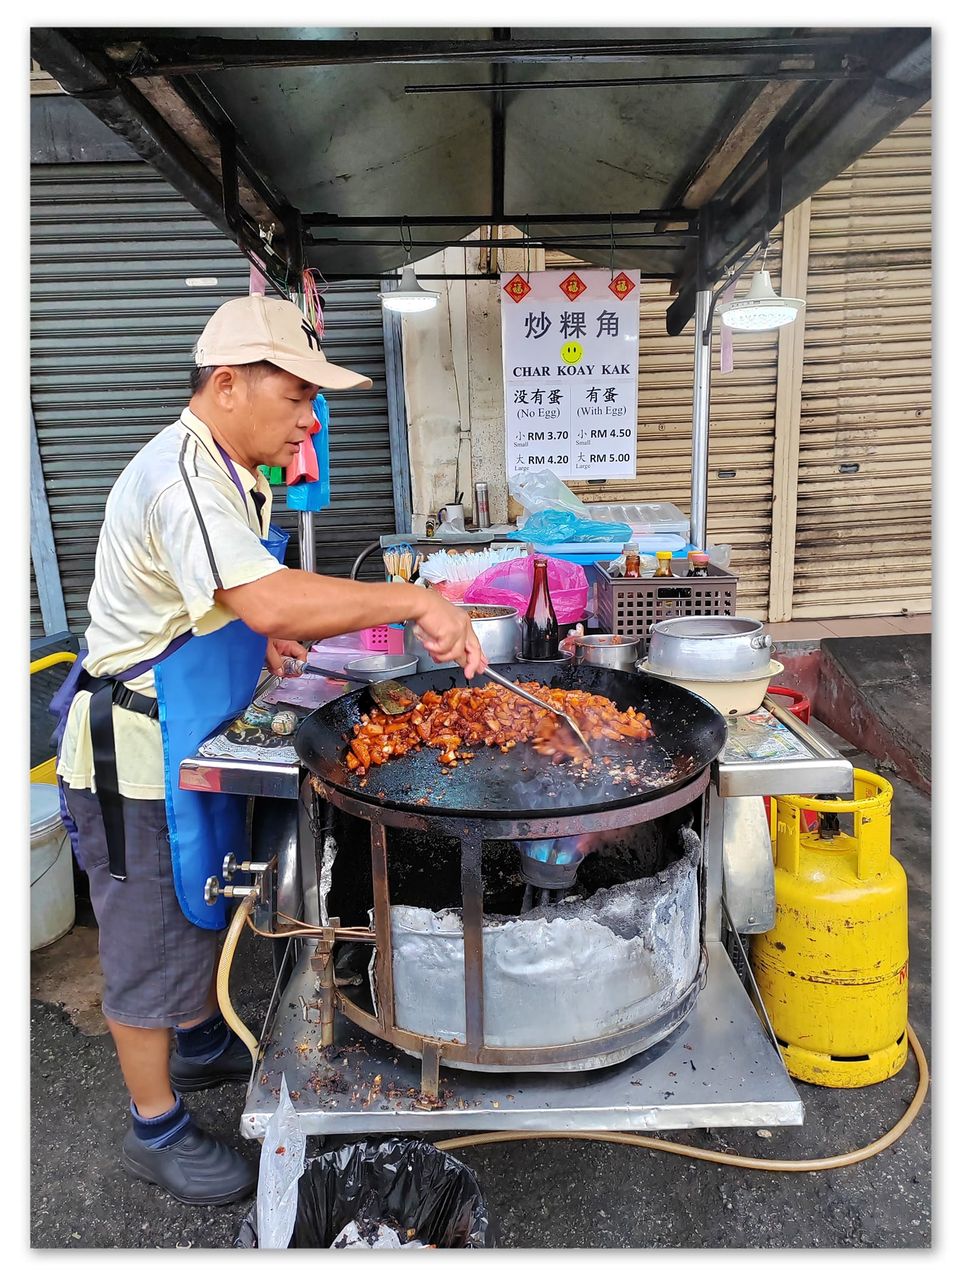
560,974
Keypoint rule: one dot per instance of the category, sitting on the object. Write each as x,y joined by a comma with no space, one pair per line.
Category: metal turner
532,697
392,697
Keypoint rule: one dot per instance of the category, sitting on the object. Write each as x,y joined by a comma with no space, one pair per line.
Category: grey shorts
157,966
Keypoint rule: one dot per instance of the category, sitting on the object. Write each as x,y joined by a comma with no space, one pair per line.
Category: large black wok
688,735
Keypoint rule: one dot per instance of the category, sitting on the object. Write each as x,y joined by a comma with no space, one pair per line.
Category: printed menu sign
570,346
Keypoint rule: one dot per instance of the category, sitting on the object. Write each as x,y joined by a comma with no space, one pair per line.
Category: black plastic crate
630,606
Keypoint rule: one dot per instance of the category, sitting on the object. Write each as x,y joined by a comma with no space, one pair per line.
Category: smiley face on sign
571,353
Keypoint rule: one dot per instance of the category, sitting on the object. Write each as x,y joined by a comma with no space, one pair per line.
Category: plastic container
592,552
52,905
387,639
644,518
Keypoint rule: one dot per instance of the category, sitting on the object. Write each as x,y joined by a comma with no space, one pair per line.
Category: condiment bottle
631,560
540,632
663,564
697,562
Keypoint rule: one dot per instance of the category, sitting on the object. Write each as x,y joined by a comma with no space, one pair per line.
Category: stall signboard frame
570,360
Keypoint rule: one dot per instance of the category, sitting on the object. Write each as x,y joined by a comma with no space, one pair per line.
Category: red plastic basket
800,707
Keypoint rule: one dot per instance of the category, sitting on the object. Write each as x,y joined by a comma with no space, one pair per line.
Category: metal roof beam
841,127
163,55
639,82
335,220
128,113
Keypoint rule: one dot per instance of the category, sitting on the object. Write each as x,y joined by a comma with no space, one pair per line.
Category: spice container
663,565
697,562
631,560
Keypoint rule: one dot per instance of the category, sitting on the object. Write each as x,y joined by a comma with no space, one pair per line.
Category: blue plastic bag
550,528
314,495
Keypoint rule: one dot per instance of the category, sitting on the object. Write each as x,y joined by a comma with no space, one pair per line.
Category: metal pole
308,549
43,550
701,422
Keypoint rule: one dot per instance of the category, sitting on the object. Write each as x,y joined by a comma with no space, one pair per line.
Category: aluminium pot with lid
709,648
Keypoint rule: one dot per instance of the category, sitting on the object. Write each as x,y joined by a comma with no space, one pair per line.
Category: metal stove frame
719,1067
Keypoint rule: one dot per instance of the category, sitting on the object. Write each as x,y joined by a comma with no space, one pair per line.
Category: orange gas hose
718,1157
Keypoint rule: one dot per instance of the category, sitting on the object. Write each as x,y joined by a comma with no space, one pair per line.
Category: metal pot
709,648
601,651
498,632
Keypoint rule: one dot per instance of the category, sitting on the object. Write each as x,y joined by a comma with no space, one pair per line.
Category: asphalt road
556,1194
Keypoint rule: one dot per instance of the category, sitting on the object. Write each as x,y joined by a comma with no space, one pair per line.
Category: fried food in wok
459,720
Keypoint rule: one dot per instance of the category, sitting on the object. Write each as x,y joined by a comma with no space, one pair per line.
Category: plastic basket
382,639
631,606
375,638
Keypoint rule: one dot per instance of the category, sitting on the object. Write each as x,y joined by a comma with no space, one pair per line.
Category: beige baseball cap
245,330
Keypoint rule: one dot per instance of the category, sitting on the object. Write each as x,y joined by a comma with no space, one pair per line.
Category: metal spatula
392,697
532,697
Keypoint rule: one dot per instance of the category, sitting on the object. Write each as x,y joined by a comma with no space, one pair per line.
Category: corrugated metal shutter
113,324
742,409
36,621
863,535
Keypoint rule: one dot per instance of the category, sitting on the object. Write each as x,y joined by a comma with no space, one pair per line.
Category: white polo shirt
175,530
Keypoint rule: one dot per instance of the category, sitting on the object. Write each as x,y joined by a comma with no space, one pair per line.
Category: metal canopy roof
676,150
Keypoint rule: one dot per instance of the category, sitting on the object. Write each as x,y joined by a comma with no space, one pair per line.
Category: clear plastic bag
281,1164
511,583
544,491
552,528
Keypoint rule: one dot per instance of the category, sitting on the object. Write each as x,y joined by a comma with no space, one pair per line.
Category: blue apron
202,682
206,683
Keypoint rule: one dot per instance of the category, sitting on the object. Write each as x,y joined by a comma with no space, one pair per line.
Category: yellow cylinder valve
832,971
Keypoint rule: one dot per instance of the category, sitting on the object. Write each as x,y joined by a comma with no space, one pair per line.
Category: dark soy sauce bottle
540,632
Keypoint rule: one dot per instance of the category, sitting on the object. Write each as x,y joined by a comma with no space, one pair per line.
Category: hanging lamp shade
760,308
410,296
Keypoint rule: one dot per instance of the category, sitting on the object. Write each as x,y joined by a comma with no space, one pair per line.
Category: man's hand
277,650
447,634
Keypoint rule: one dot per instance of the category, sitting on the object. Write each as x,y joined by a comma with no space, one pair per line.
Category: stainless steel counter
718,1068
773,753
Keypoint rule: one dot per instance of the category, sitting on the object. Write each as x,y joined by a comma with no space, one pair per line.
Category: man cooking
189,600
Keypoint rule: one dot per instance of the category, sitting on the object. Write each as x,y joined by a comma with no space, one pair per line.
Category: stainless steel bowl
497,628
709,648
601,651
390,665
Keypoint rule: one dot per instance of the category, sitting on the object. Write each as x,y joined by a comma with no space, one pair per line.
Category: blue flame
562,851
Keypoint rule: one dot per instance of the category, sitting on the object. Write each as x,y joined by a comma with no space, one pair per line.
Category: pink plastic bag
511,582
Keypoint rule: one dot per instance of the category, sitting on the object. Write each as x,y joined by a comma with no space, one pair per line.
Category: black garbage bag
398,1180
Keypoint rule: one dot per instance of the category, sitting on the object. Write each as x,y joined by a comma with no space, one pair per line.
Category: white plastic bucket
52,905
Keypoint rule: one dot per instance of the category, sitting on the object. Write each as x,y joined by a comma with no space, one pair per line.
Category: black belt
107,694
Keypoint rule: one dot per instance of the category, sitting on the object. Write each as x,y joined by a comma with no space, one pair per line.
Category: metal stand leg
323,965
471,881
430,1069
381,922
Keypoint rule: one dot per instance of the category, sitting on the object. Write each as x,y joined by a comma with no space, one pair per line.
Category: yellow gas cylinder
832,971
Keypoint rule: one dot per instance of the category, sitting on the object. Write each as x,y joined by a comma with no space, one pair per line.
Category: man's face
276,415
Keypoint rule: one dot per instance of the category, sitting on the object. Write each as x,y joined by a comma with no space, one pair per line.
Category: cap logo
312,339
